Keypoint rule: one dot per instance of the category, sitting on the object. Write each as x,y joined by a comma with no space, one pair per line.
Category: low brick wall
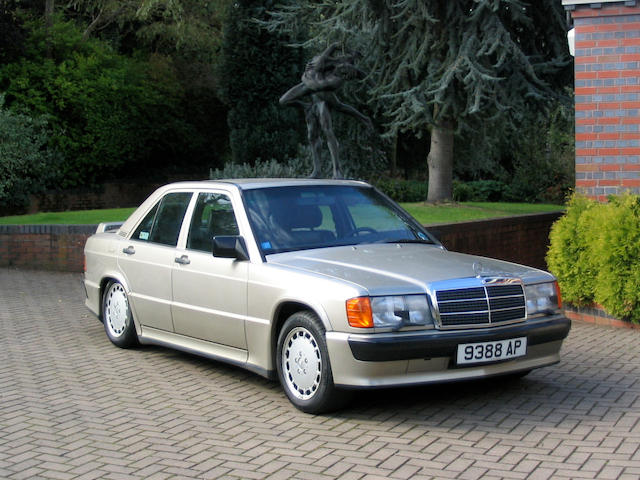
596,315
523,239
44,247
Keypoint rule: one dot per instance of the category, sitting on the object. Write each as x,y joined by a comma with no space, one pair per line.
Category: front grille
481,306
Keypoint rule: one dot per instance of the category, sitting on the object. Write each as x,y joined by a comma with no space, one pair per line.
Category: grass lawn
79,217
466,211
426,214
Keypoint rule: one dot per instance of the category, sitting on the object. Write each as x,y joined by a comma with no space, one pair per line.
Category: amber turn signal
359,312
559,294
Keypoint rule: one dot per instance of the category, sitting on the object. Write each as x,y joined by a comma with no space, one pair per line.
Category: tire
304,370
116,316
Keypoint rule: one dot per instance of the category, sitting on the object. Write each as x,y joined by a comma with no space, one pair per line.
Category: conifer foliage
256,69
443,66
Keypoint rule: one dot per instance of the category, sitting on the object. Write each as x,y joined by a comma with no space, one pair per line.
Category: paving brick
74,406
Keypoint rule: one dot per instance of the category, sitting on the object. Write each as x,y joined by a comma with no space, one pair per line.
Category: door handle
183,260
129,250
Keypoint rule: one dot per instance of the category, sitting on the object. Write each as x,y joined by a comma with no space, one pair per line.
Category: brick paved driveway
74,406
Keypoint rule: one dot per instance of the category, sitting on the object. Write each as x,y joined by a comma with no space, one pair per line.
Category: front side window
162,223
304,217
213,215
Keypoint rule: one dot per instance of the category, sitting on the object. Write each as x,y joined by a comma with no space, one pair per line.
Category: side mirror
230,246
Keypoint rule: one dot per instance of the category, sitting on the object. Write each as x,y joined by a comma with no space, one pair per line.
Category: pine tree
443,66
256,69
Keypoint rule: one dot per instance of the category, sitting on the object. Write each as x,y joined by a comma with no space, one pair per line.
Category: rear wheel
303,365
117,318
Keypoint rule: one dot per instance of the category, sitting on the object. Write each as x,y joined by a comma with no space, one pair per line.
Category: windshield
303,217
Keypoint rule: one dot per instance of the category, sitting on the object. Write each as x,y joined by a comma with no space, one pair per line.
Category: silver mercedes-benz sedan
325,284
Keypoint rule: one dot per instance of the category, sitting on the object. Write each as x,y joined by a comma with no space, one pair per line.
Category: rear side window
162,223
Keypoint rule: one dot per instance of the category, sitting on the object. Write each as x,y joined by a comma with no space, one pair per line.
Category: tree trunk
440,161
48,12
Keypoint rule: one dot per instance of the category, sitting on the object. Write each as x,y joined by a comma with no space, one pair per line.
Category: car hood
387,269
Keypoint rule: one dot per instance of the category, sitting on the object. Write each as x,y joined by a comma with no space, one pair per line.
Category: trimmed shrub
595,254
616,247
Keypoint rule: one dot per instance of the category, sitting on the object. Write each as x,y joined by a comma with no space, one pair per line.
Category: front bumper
407,358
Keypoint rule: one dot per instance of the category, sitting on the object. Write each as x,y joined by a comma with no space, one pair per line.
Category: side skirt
213,351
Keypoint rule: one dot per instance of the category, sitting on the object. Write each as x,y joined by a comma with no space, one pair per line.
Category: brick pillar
607,96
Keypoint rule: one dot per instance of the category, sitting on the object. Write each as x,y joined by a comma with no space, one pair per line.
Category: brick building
607,96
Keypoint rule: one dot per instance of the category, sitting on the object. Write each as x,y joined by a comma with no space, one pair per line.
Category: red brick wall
607,98
521,239
44,247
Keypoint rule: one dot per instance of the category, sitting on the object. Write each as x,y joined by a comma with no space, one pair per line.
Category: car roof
252,183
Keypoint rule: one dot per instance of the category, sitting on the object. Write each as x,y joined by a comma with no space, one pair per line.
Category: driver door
210,293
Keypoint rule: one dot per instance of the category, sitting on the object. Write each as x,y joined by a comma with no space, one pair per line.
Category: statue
322,75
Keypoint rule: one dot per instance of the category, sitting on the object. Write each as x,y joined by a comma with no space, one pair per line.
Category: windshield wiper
408,240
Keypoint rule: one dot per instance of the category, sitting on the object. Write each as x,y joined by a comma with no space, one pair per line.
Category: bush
568,255
27,166
403,190
108,113
480,191
534,157
595,254
293,168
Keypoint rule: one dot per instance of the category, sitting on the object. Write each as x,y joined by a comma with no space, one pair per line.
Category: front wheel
303,365
117,318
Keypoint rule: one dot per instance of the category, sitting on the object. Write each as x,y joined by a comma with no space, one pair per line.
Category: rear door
147,260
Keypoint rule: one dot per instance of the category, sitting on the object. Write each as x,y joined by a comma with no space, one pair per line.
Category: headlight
389,312
543,298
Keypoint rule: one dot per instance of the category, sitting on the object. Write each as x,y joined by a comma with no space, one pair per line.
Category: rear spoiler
109,227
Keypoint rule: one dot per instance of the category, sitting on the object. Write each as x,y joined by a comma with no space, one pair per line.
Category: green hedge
595,254
403,190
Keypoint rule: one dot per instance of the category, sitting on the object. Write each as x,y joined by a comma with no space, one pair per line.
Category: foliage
534,161
403,190
535,157
11,32
299,166
439,65
568,256
293,168
595,254
27,166
190,27
107,111
184,25
617,246
479,191
257,69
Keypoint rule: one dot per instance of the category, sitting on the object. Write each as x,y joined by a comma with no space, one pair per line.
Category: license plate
491,351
